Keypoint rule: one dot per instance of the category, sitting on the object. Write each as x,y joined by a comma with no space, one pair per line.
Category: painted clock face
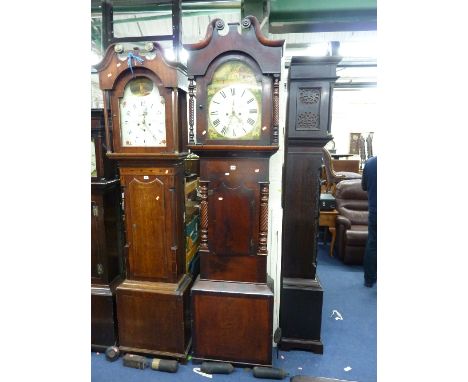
234,103
93,159
142,115
234,111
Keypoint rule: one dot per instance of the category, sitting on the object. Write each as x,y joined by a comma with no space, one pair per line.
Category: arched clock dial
142,115
234,111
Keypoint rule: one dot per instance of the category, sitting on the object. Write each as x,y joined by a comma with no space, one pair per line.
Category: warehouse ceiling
307,26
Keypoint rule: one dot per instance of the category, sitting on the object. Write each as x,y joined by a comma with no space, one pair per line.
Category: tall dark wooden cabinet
106,238
310,88
237,75
147,136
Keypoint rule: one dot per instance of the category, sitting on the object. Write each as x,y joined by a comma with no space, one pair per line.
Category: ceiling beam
129,6
300,16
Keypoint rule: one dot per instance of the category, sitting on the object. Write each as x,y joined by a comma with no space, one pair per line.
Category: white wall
354,111
275,209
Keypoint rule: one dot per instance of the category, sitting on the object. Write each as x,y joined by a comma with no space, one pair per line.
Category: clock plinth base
154,317
103,322
232,322
301,316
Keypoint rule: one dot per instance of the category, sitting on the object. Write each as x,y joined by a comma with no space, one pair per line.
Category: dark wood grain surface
153,316
308,127
232,305
153,302
232,321
154,221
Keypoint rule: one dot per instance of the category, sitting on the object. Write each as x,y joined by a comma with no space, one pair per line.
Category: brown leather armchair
351,222
334,177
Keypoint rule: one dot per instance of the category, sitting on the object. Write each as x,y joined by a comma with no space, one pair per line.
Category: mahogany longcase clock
106,238
147,131
308,124
235,77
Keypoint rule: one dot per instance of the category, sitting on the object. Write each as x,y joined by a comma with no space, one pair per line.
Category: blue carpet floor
350,344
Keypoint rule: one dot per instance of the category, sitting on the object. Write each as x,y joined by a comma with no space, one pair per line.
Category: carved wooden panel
309,95
146,230
307,121
308,114
308,109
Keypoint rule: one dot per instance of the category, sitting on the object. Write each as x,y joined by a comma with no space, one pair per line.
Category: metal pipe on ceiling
130,7
167,15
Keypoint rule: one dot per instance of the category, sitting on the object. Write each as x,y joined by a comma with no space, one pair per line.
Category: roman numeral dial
142,115
234,112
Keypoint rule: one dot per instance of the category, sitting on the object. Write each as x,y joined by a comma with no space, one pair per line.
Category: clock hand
154,136
238,118
230,120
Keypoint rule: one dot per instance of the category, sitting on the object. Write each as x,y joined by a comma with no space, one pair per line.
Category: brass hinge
95,210
100,269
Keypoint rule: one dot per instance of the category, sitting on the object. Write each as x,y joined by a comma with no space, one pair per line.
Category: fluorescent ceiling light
169,54
358,49
317,50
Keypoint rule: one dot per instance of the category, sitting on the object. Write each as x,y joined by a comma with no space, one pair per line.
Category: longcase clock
147,131
310,89
106,238
234,76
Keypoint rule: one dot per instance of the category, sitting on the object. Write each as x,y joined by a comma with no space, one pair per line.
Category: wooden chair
334,177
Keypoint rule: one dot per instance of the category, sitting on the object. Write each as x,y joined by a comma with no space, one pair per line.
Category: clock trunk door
234,204
232,218
146,209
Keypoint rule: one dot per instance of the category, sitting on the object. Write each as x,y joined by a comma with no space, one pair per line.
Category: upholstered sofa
351,223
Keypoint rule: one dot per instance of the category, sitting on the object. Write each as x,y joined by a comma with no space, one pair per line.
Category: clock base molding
295,344
301,314
232,322
181,357
103,317
154,317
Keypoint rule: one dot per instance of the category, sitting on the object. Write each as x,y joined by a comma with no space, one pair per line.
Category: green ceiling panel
320,15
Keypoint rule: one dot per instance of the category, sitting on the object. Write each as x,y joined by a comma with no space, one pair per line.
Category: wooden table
349,165
328,219
338,156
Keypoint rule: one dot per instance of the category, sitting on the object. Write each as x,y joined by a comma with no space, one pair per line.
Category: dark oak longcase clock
234,77
308,122
106,238
147,136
